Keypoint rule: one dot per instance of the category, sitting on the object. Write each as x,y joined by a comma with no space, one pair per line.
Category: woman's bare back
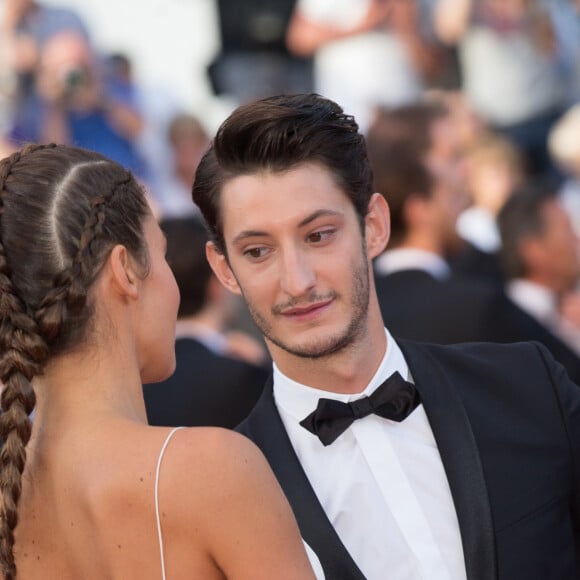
88,507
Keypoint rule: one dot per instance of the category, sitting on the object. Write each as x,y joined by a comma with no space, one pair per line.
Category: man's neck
347,371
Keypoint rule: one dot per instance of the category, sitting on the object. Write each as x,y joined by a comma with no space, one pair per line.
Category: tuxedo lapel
264,426
460,457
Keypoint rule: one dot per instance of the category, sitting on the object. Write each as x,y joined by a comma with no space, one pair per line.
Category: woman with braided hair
87,314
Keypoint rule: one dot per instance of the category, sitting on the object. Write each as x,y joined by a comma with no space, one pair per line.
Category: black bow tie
395,399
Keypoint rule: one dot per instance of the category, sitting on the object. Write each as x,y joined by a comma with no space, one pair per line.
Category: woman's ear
221,268
377,225
123,273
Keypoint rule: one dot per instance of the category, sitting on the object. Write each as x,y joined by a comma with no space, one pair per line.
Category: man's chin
315,349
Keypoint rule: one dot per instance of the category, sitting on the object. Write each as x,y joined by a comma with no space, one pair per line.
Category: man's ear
532,252
221,268
124,277
377,225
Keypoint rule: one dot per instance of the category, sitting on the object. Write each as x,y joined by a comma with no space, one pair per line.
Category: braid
22,353
69,293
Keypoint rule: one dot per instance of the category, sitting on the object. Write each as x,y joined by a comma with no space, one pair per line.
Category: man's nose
297,276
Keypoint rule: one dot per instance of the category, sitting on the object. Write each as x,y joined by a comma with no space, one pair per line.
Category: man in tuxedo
540,255
424,200
219,374
400,459
429,131
424,205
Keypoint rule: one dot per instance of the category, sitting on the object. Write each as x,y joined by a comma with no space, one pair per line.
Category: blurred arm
451,19
305,37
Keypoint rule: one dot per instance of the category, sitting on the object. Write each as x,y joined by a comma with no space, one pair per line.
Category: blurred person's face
448,200
445,146
556,251
188,151
490,183
467,124
508,8
446,162
446,154
67,70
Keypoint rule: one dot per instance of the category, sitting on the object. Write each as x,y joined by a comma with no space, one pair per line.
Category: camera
74,79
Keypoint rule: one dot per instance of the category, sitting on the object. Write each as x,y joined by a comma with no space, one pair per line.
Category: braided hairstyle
62,210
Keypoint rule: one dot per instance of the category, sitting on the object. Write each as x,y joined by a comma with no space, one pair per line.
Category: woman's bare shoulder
219,485
208,469
210,452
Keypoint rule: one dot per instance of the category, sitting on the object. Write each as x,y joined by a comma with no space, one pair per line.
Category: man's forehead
262,202
304,180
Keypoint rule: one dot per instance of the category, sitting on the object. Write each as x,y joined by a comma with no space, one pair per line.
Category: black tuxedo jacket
475,264
205,389
417,306
506,419
531,329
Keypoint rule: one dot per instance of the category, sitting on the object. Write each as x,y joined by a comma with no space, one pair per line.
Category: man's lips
307,310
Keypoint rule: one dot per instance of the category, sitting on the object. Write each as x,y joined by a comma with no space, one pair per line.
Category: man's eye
255,253
320,236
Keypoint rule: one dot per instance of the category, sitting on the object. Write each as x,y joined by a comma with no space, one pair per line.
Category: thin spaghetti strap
159,536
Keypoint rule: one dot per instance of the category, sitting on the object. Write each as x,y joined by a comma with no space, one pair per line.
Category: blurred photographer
25,27
73,105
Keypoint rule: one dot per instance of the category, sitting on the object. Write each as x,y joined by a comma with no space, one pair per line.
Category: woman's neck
83,386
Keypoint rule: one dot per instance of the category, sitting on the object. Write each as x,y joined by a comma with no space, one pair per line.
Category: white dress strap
159,536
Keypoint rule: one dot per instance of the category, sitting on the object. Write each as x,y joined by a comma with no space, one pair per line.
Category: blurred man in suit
493,170
422,181
540,255
219,375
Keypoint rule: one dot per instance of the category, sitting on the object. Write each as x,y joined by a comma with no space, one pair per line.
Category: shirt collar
411,258
209,337
299,400
478,226
534,298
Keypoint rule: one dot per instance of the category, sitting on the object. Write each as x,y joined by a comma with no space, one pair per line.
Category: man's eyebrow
308,219
317,214
248,234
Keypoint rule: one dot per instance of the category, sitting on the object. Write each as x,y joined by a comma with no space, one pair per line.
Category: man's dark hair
277,134
521,218
186,239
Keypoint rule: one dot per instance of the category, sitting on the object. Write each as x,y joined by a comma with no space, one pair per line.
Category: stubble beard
329,345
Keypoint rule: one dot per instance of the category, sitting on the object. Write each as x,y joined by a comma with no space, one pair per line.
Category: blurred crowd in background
511,66
471,109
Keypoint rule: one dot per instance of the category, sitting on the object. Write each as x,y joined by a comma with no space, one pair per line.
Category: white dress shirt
363,70
212,339
541,303
479,227
381,483
399,259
